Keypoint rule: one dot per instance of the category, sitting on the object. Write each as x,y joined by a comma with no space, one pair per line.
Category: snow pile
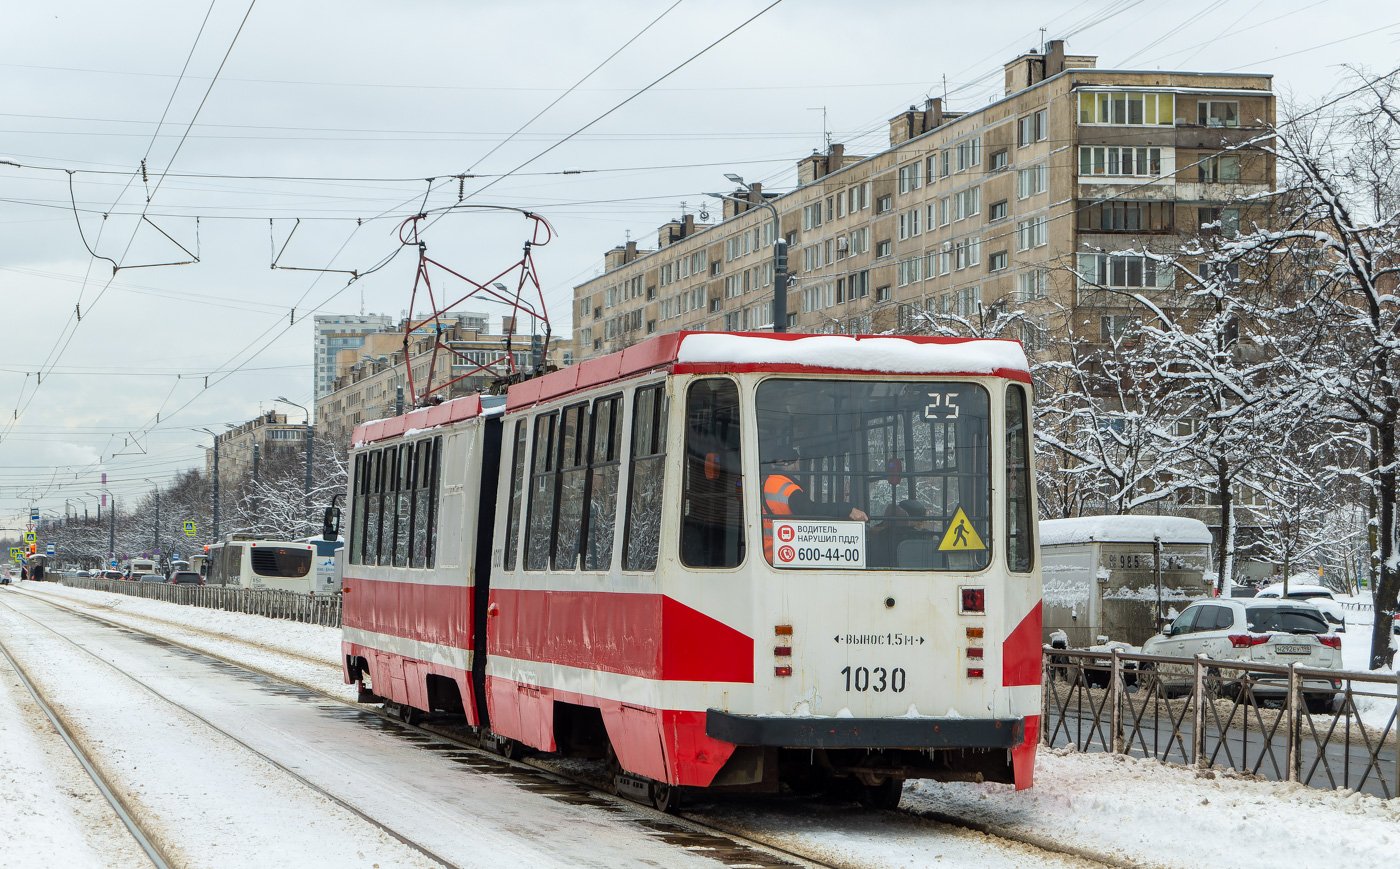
865,354
1123,529
1147,812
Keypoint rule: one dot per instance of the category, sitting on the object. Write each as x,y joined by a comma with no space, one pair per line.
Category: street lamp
780,256
156,486
306,492
216,479
383,362
536,353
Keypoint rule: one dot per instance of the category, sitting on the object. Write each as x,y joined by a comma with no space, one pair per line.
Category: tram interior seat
920,554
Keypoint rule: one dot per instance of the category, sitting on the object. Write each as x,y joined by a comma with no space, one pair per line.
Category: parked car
1250,631
1244,591
1320,595
186,577
111,574
149,577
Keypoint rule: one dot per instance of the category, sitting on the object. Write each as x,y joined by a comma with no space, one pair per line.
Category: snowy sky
377,97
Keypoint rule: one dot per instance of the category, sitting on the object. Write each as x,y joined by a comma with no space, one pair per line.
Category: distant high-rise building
336,332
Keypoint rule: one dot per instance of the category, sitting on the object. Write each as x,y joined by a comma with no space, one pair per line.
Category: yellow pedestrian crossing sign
189,529
960,536
14,553
30,537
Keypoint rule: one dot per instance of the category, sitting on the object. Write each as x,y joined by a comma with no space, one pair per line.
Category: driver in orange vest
783,497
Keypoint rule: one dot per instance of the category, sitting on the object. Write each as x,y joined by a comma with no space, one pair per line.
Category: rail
307,607
1322,728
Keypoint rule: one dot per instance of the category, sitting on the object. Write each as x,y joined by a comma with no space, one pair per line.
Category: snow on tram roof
697,352
896,355
1123,529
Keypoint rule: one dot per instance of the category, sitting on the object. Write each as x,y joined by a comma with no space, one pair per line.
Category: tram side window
604,471
573,473
424,502
403,516
712,503
517,494
1019,554
376,506
357,513
647,479
539,530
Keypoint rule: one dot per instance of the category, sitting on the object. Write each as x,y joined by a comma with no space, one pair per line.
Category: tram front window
860,474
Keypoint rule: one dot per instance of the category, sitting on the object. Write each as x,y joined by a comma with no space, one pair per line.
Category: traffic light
33,548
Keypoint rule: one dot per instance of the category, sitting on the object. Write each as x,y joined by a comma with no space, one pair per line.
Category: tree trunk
1388,587
1227,531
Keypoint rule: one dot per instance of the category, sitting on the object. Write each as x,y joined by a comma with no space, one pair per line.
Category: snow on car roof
1298,588
894,355
1123,529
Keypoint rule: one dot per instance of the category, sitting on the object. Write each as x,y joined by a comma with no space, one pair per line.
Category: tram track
691,831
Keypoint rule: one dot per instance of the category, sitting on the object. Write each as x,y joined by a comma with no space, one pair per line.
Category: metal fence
1288,723
308,607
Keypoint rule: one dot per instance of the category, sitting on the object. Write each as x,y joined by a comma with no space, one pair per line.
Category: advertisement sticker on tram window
818,543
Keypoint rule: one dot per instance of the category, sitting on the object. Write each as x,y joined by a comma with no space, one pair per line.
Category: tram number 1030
875,679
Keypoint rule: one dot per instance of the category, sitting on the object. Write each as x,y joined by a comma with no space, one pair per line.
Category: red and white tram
722,560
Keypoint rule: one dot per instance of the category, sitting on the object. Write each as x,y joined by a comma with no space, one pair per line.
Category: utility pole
216,479
156,528
112,531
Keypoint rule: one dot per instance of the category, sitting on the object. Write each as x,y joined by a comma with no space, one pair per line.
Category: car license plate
1293,650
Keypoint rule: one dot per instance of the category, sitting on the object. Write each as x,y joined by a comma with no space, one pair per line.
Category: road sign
114,562
49,550
189,529
174,556
30,537
34,516
14,553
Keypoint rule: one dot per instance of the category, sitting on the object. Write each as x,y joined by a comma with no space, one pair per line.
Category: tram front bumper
918,733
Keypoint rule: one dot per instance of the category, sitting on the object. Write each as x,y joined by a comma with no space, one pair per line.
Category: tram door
712,507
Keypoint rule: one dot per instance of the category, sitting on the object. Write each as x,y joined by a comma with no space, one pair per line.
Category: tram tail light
974,600
974,633
782,671
974,672
974,651
782,651
782,630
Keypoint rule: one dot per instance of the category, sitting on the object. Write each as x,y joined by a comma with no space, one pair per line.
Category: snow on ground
1129,810
1356,653
1143,811
50,811
252,641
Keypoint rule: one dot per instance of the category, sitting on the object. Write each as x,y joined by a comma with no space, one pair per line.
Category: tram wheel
409,715
885,795
665,797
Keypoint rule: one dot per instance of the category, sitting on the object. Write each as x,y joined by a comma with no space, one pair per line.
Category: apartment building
1038,200
257,440
372,380
336,332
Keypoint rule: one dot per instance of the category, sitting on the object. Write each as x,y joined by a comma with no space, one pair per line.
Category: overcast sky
359,102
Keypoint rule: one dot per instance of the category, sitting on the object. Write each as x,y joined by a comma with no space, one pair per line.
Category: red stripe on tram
440,614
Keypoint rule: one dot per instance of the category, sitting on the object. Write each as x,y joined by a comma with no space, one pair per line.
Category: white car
1320,595
1251,631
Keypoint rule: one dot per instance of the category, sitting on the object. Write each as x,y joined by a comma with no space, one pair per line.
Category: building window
909,271
1096,269
1030,181
1225,221
858,197
882,294
996,211
1109,161
859,285
967,252
969,153
882,248
1118,216
967,203
1030,233
1032,284
945,210
997,262
1113,327
944,160
1152,109
1222,169
884,203
911,177
1218,113
811,216
909,224
998,161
